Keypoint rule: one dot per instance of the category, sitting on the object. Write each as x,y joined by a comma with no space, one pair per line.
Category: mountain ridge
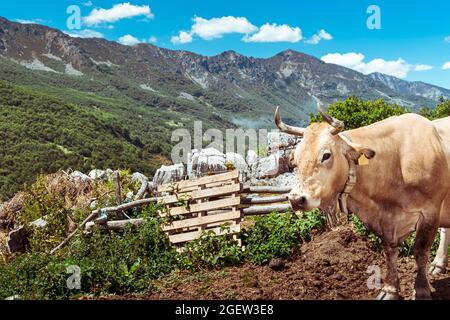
228,82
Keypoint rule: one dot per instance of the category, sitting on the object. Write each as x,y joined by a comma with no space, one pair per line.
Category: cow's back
443,127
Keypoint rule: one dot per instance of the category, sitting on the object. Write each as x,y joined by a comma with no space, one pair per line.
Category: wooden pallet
203,204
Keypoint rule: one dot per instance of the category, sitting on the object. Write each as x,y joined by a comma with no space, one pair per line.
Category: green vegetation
356,112
278,235
129,260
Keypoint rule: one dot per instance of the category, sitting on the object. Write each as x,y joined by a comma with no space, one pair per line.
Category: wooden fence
204,204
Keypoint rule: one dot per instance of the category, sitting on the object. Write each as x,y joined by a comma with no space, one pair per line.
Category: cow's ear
357,150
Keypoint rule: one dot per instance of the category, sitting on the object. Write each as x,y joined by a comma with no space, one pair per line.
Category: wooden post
118,194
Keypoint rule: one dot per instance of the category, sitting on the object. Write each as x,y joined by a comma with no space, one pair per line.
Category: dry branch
257,210
266,189
264,200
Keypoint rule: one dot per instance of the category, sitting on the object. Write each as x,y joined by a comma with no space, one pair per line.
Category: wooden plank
264,200
257,210
180,185
207,206
266,189
201,194
205,220
184,237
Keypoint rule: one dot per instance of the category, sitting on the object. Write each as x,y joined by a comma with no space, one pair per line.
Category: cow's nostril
302,201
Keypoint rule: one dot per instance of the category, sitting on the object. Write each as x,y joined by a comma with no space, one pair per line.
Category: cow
440,262
393,175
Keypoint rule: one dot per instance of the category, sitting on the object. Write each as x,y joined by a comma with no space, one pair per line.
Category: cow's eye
326,156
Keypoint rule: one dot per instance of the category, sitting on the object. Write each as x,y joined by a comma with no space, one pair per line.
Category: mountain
137,95
242,90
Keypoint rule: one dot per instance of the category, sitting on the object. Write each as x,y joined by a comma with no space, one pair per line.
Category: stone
252,157
79,176
168,174
275,139
270,167
139,177
97,174
205,162
237,160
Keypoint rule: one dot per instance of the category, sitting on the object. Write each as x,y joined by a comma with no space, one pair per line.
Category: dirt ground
332,266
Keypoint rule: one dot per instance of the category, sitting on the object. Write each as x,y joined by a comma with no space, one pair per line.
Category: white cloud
183,37
447,39
446,66
30,21
88,3
216,27
422,67
276,33
86,33
398,68
129,40
117,12
321,35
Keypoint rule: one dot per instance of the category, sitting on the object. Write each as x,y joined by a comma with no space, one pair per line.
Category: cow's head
322,159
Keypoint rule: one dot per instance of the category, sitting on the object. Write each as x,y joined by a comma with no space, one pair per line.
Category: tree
355,112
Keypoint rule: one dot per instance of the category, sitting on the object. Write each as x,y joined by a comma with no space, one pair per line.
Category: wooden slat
266,189
207,206
201,194
264,200
189,236
205,220
205,180
256,210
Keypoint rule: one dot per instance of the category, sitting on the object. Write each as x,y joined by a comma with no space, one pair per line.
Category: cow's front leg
426,231
391,288
440,262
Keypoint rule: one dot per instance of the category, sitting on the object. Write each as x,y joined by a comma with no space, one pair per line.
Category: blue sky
413,42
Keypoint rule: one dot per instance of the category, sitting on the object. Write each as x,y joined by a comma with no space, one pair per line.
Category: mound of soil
334,265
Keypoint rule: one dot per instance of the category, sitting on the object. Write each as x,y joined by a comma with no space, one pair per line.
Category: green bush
355,112
277,235
210,251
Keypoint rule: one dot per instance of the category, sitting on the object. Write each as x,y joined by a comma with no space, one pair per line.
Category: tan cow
399,186
441,260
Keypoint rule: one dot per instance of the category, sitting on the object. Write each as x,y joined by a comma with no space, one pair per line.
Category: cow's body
402,189
441,260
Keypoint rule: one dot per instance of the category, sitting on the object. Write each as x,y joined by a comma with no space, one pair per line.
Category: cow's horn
297,131
338,126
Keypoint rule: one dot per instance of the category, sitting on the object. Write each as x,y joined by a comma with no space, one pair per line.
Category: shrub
210,251
277,235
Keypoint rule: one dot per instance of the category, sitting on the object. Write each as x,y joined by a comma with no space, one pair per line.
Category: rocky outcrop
167,174
270,166
206,161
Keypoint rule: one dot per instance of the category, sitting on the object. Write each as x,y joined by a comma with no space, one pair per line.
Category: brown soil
332,266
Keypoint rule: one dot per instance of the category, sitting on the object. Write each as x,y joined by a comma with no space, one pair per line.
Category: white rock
277,138
97,174
77,175
269,167
206,161
252,157
139,177
237,160
167,174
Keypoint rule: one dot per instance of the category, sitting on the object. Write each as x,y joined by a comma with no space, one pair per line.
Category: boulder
168,174
252,157
270,167
237,160
275,139
97,174
79,176
205,162
139,177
